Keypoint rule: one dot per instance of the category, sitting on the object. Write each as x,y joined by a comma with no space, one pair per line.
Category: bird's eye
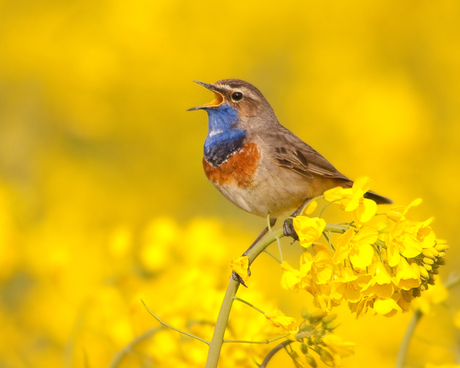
237,96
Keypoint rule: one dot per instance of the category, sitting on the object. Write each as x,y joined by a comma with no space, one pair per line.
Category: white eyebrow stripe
242,89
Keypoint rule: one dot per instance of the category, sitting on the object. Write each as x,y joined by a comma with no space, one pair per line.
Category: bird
257,163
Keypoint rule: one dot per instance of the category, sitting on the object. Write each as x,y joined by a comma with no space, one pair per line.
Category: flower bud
423,272
441,247
393,215
427,267
304,348
317,314
441,261
430,252
427,260
332,325
329,318
294,354
310,360
327,358
304,313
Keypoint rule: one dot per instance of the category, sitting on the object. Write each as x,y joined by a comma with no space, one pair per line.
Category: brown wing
291,152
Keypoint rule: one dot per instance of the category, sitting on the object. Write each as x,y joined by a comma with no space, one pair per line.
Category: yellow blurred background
102,196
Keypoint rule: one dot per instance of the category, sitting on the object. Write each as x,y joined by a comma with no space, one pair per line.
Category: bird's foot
239,279
288,229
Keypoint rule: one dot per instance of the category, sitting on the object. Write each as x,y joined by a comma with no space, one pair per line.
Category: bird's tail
377,198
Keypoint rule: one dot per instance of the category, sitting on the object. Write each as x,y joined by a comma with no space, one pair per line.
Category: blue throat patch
223,139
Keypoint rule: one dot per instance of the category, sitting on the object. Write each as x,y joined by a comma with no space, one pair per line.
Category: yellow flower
352,199
360,187
240,266
396,215
308,229
348,286
290,280
323,296
407,238
337,193
365,211
424,234
343,246
381,284
278,319
361,307
306,263
322,268
358,247
401,239
428,365
386,307
407,276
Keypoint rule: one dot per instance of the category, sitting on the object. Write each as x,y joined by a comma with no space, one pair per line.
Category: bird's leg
237,277
288,226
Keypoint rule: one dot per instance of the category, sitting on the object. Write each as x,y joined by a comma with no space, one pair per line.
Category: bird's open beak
218,97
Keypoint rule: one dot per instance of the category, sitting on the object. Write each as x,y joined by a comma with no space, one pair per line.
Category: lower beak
218,98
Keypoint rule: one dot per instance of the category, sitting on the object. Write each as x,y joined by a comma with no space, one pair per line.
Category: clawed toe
238,278
288,229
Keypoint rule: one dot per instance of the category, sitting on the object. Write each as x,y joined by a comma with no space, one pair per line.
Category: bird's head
237,102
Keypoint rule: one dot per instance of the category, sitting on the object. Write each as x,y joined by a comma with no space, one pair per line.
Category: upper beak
218,97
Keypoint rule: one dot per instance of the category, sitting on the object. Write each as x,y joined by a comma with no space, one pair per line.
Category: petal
241,266
366,211
278,319
367,235
411,248
362,185
335,194
414,203
387,307
393,254
290,280
363,257
308,229
311,207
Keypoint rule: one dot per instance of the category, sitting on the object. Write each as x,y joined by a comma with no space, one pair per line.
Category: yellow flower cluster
379,261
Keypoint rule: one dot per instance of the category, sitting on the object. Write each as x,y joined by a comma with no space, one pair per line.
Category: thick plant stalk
222,319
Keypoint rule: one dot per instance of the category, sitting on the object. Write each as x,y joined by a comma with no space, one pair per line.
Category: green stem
272,255
326,206
249,304
272,352
257,342
334,228
283,345
224,313
173,328
401,359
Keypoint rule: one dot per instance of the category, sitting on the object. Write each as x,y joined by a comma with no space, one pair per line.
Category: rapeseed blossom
377,261
240,266
278,319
